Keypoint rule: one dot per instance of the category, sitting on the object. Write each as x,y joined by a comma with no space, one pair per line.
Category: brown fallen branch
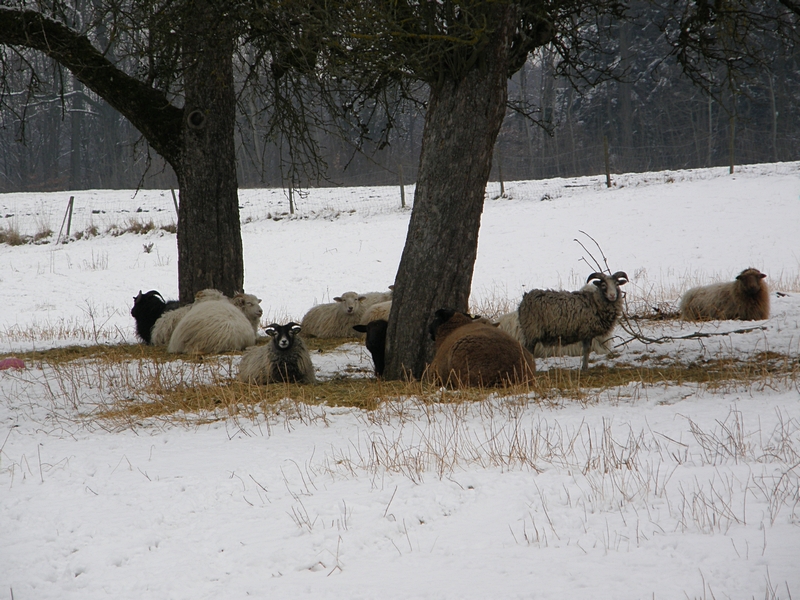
627,327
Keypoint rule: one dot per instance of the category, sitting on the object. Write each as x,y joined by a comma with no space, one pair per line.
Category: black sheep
376,342
147,308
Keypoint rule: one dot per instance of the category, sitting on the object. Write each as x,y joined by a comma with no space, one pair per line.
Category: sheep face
609,285
283,335
750,281
349,302
249,304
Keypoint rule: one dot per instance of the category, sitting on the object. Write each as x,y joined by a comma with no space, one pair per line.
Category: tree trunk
209,233
461,125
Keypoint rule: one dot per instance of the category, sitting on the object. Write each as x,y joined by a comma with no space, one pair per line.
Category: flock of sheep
470,350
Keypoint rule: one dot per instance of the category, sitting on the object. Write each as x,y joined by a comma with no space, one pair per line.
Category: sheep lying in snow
746,299
247,303
147,310
211,327
376,341
377,312
553,318
335,319
284,358
471,352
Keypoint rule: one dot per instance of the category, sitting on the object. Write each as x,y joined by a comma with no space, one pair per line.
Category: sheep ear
361,328
338,299
271,331
761,276
295,328
362,298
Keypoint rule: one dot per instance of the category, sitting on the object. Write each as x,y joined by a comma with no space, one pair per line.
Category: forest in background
57,135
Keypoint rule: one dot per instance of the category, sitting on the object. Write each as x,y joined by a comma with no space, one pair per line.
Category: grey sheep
746,299
554,318
285,358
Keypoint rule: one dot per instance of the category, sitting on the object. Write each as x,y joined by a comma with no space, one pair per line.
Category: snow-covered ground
643,491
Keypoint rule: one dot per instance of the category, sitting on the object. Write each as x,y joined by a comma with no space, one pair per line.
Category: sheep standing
284,358
509,322
147,310
746,299
335,319
211,327
554,318
472,352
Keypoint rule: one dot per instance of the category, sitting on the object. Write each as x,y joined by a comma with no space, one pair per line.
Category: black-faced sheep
554,318
472,352
335,319
284,358
211,327
147,309
746,299
376,342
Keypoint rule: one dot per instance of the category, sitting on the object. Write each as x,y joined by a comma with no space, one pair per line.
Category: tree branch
148,109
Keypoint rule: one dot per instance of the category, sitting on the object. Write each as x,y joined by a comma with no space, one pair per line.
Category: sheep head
750,281
609,284
249,304
350,302
283,335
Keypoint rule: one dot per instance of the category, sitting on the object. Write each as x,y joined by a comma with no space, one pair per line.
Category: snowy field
670,490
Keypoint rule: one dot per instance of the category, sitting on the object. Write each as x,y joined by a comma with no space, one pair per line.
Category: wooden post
174,200
500,171
291,199
732,134
608,167
67,214
402,186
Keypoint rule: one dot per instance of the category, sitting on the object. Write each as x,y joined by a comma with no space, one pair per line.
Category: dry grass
134,383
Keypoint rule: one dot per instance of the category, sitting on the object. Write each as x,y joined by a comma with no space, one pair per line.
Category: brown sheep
472,352
746,299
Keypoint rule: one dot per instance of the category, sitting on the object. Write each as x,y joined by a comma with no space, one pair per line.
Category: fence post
402,186
731,145
608,167
175,202
500,172
67,218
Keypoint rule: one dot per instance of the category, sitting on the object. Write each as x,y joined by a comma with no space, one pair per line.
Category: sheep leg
587,346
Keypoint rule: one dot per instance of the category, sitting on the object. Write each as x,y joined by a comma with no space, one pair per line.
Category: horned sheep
554,318
746,299
471,352
211,327
284,358
148,309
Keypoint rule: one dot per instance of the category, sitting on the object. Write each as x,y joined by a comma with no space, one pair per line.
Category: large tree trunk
461,125
209,234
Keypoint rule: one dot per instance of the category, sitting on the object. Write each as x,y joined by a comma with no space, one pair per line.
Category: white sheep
553,318
165,325
377,312
211,327
335,319
284,358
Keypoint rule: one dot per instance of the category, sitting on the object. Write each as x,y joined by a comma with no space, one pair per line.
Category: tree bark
209,233
461,125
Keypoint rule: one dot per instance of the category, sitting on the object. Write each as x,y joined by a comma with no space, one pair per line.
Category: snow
638,491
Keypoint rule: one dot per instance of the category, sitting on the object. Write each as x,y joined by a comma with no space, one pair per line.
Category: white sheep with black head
552,318
285,358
